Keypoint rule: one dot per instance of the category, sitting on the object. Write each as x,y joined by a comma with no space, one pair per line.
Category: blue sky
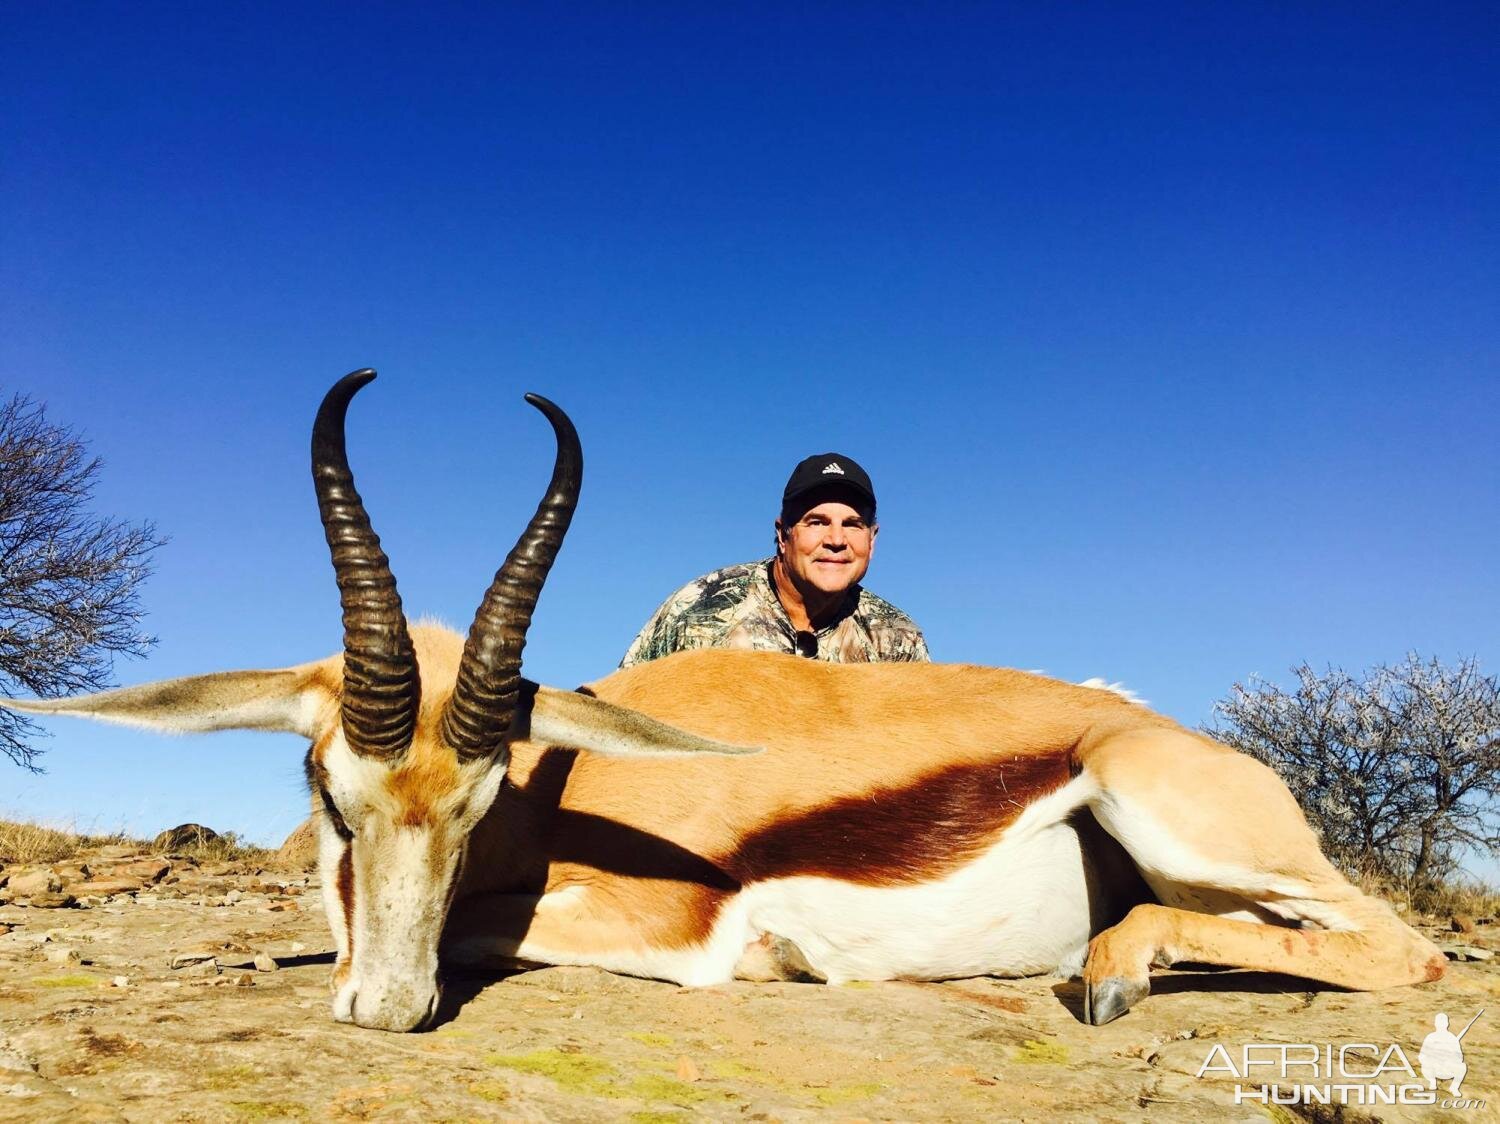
1167,333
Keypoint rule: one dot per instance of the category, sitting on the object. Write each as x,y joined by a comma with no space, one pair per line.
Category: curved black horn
381,688
489,678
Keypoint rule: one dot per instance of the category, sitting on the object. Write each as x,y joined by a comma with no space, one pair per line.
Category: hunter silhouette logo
833,466
1442,1055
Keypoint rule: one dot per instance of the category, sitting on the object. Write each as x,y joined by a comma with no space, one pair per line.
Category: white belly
1020,909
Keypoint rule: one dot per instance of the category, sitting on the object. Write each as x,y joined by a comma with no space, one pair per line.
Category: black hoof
1108,999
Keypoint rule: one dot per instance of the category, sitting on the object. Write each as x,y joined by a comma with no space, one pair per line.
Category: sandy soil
96,1023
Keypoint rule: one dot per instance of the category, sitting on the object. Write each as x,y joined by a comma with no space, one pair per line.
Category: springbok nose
397,1007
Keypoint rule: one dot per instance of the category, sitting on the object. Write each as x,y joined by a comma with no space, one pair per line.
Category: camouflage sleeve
663,633
652,642
897,638
904,644
916,651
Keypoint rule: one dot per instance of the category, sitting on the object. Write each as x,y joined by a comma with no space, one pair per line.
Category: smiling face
826,551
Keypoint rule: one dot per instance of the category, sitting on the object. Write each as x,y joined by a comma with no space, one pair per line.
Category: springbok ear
290,700
567,718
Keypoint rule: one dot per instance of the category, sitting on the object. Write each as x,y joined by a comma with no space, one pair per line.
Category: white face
391,845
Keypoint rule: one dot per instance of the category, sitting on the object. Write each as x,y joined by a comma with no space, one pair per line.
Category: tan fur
813,719
873,774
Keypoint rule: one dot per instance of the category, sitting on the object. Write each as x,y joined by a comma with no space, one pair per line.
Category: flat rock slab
578,1044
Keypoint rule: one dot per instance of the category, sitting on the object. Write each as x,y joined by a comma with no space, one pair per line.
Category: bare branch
1399,772
69,580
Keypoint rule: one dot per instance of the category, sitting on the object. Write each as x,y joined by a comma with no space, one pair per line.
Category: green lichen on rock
1042,1052
728,1067
491,1091
651,1038
77,980
269,1110
230,1077
581,1074
574,1073
843,1094
653,1087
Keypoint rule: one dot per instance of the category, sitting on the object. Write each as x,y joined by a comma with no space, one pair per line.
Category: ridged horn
381,688
489,677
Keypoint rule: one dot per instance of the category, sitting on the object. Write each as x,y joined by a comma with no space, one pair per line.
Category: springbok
914,821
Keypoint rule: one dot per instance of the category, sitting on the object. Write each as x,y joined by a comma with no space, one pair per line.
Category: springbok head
410,732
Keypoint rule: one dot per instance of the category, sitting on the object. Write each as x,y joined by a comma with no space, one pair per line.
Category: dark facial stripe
340,828
317,781
346,895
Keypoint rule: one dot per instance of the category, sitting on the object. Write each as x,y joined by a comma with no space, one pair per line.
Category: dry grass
32,843
1476,899
1441,900
228,847
28,843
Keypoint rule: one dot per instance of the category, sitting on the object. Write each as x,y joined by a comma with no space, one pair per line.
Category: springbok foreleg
1224,847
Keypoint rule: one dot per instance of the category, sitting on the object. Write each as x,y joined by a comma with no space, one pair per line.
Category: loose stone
1466,952
51,901
107,887
32,883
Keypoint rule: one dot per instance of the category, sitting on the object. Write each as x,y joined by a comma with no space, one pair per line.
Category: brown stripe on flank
893,835
914,833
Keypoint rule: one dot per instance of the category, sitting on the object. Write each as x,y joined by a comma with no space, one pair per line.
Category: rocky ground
146,986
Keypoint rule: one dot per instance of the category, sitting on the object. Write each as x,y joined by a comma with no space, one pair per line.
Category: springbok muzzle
402,1003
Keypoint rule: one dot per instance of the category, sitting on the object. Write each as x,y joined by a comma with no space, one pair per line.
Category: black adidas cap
827,470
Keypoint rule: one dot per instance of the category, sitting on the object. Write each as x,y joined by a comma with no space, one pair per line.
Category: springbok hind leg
1223,845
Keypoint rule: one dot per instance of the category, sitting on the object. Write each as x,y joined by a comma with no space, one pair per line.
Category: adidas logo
833,466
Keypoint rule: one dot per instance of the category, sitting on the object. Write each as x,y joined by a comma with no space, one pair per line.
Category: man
805,600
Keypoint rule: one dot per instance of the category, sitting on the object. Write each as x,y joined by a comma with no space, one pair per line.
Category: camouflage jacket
737,607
